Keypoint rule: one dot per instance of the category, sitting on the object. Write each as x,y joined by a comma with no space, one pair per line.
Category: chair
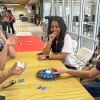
85,53
74,43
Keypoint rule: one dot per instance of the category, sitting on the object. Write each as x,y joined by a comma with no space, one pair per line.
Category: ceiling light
12,4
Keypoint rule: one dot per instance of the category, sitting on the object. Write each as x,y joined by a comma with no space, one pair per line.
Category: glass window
76,14
60,8
89,18
87,43
58,11
74,37
67,13
47,11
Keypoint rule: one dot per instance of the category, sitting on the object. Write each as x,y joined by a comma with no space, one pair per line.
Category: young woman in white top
58,42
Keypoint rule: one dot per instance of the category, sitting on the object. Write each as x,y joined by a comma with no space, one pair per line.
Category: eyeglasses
8,84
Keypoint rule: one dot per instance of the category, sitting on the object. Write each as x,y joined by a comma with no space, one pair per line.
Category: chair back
74,43
85,53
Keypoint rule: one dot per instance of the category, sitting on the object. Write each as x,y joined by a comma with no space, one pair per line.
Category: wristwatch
47,56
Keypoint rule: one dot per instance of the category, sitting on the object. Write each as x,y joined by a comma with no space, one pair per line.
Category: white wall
19,10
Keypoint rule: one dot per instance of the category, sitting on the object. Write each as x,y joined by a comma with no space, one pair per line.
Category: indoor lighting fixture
13,4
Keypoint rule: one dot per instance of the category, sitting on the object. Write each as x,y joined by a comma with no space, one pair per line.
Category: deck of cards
47,74
20,64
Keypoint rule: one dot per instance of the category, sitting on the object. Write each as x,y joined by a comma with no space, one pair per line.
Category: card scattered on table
41,87
21,80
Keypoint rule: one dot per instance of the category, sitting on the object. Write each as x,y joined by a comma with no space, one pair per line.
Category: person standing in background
86,19
5,19
10,19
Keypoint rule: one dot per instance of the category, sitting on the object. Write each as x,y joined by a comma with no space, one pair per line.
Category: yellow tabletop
64,87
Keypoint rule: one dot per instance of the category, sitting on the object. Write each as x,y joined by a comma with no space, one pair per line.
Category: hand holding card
20,64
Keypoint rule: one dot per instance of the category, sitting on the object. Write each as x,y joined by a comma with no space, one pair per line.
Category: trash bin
32,19
37,20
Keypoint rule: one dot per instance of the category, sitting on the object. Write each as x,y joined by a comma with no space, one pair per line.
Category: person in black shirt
92,87
92,63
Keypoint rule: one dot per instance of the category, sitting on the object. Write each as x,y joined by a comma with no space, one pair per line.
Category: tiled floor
28,27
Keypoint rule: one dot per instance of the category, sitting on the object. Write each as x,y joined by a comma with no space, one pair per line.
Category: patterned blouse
93,60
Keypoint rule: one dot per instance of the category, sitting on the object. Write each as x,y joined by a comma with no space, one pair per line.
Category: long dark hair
9,11
57,48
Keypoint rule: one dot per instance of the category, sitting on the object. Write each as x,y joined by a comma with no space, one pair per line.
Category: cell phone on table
41,53
2,97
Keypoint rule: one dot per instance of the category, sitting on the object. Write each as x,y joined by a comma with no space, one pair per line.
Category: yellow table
65,87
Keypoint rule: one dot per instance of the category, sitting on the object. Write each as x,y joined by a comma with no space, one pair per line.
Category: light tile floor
20,26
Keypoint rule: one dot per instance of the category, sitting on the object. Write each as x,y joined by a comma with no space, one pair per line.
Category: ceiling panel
21,2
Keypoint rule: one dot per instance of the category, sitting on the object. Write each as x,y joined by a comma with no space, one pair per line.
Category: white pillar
53,8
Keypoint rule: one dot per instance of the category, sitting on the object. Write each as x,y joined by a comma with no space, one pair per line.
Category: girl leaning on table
93,87
59,42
